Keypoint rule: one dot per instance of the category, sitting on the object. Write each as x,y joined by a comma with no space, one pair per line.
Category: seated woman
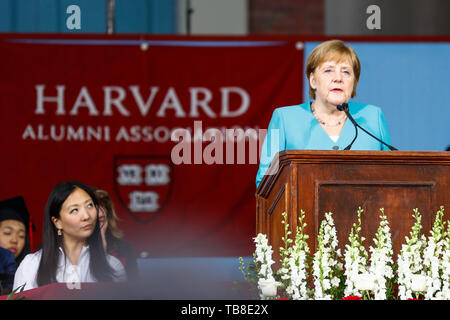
112,236
72,249
333,70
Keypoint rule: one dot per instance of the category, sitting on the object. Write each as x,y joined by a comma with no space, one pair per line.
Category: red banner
102,110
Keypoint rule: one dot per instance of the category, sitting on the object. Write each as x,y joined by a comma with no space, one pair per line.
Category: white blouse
66,272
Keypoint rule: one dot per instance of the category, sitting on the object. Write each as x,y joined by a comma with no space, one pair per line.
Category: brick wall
286,17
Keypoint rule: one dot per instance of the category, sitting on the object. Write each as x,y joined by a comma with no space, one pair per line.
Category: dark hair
113,234
98,264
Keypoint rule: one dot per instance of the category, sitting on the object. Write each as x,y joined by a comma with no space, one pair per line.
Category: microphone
344,107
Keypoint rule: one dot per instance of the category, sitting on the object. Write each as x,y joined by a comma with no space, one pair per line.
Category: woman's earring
59,232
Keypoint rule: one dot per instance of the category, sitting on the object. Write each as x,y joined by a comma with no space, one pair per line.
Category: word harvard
116,100
234,309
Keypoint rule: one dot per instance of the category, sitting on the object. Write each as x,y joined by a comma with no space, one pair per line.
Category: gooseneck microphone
344,107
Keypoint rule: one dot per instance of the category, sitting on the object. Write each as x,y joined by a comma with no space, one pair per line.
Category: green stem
366,295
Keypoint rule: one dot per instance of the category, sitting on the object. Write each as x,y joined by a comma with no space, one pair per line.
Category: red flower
351,298
283,298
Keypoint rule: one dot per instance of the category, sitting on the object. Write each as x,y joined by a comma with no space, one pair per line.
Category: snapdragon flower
433,257
355,258
381,263
297,262
326,264
263,259
410,259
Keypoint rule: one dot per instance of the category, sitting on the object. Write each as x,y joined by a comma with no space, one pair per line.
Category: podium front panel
341,181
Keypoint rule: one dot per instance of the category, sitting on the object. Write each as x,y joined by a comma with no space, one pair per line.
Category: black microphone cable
344,107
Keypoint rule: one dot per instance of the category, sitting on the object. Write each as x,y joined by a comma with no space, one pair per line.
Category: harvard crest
143,184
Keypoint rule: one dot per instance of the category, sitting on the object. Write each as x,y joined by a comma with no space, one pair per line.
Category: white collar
62,257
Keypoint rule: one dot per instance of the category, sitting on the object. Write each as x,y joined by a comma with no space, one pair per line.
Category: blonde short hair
332,50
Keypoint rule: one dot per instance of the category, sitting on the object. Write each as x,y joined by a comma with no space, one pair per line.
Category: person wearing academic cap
7,270
14,227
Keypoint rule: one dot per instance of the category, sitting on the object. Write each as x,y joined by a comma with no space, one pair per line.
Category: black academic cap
15,209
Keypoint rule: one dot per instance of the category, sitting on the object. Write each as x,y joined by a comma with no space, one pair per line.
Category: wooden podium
341,181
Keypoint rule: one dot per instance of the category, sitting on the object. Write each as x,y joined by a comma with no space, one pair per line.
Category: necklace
327,124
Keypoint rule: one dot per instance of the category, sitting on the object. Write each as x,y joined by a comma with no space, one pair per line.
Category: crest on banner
143,184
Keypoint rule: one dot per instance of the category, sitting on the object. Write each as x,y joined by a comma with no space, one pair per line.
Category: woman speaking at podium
333,70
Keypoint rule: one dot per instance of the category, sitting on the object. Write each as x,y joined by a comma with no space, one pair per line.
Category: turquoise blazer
295,128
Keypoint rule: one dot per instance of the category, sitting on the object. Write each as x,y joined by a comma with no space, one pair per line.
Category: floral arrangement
422,270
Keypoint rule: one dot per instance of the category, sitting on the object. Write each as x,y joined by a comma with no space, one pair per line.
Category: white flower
325,264
445,294
433,258
263,259
335,282
381,262
365,282
418,283
268,287
355,258
297,263
326,284
410,258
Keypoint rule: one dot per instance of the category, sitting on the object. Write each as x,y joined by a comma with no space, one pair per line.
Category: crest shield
143,184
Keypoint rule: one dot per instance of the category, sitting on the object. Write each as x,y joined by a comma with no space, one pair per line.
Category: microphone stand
344,107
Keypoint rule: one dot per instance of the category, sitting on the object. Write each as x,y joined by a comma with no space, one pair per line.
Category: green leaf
17,290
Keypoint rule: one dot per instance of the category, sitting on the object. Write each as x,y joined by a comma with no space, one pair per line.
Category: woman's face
77,216
333,82
12,236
